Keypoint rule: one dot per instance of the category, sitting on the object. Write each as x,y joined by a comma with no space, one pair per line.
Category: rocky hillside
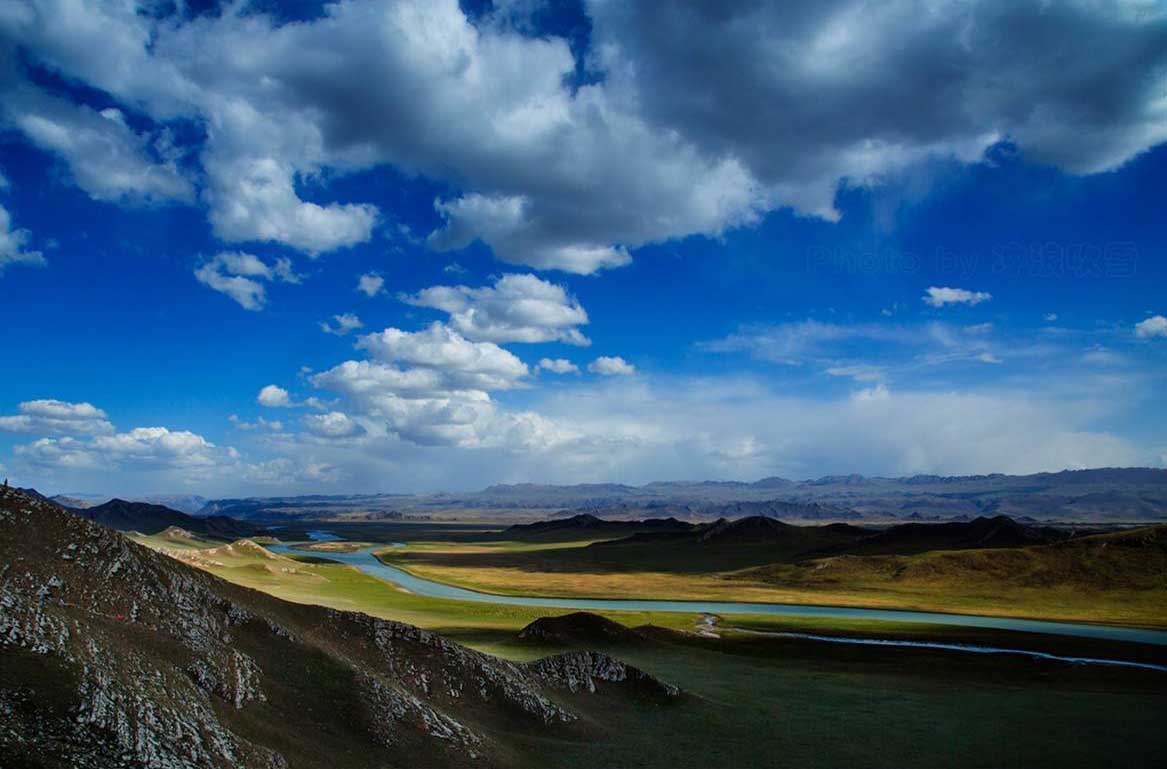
114,655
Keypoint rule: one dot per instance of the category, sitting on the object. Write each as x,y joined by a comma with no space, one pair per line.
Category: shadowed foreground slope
113,655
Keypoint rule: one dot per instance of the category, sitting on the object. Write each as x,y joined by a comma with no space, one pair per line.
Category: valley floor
504,569
759,701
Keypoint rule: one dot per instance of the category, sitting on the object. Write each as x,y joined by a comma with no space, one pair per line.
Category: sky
267,248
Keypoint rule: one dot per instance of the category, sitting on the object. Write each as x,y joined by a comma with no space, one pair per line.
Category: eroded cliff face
116,655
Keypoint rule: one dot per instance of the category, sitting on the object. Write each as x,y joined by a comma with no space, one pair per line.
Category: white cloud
611,366
161,446
858,372
1154,326
791,343
938,297
13,244
53,417
273,396
466,364
517,308
238,275
370,284
640,430
344,324
646,428
869,352
1050,317
334,424
272,425
559,176
106,158
145,448
254,198
59,452
558,366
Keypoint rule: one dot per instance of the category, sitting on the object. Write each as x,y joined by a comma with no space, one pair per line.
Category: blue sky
782,239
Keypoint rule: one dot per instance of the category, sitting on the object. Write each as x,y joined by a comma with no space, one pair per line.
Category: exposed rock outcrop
114,655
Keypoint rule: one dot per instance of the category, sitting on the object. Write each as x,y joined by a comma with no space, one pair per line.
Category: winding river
368,563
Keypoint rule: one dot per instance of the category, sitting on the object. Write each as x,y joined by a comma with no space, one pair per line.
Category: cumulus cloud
69,453
105,156
558,175
333,425
13,244
54,417
274,396
161,446
517,308
438,348
254,198
611,366
558,366
239,275
1154,326
143,448
430,388
284,471
344,324
939,79
939,297
370,284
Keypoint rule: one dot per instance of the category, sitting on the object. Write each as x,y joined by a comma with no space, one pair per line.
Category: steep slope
114,655
150,519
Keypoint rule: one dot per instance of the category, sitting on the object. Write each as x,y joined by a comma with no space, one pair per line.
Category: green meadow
759,700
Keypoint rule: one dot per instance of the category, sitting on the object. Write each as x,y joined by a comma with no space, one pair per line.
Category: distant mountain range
1104,495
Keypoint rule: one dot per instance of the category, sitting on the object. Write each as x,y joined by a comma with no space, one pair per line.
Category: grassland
312,579
766,701
174,539
762,704
1114,579
780,702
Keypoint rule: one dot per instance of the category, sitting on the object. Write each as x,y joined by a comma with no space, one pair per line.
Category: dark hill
579,627
114,655
151,519
996,532
1133,561
721,545
587,526
761,529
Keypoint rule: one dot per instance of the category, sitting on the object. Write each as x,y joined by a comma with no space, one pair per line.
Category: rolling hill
114,655
586,526
998,531
151,519
1131,560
